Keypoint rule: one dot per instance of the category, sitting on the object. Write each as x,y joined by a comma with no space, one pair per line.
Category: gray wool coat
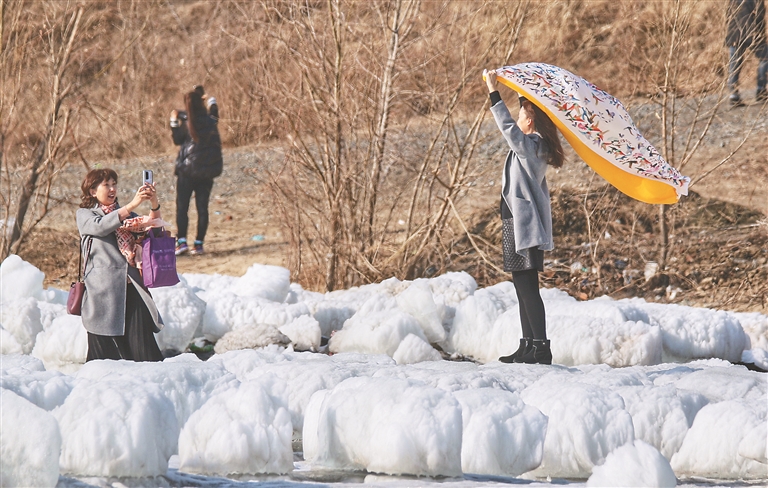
527,194
106,275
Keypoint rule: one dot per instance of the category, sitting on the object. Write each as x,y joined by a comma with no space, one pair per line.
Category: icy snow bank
63,344
727,440
182,313
637,464
238,431
29,444
586,423
21,318
116,428
501,434
19,279
384,425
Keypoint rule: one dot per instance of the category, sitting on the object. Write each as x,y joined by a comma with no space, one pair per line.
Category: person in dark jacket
526,214
746,30
117,312
199,161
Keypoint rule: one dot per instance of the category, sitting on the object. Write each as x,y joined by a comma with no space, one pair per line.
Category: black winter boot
525,345
540,353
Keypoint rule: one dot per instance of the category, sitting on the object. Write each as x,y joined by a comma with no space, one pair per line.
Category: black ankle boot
525,345
540,353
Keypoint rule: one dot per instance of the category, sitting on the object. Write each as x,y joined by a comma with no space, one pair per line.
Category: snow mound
21,318
304,332
19,279
384,425
727,440
238,431
182,313
29,444
116,428
586,423
414,349
375,330
64,344
501,434
637,464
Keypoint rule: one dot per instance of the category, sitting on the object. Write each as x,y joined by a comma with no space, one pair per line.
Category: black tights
532,316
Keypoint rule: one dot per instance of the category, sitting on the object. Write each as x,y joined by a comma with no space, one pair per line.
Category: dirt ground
719,241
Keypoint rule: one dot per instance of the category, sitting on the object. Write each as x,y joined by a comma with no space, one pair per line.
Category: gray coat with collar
106,269
527,195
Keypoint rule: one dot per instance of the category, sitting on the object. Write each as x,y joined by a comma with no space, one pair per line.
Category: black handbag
77,288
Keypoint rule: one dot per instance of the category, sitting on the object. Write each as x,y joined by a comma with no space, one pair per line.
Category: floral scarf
127,241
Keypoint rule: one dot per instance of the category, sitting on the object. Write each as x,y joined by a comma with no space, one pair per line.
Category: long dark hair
93,179
548,131
195,108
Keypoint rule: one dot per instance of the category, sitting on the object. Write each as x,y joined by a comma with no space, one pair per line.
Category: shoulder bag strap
80,263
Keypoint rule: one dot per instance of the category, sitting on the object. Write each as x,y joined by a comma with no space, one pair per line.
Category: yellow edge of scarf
640,188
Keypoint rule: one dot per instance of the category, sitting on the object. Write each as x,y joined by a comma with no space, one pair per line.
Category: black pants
202,190
137,343
532,316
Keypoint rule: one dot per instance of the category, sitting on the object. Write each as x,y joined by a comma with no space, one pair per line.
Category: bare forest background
375,111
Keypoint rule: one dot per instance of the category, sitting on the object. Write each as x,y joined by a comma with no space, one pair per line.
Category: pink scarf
127,242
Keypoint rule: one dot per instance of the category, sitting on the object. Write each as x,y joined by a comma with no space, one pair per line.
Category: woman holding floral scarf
117,311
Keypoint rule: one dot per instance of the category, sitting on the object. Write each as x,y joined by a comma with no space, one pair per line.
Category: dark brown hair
93,179
195,108
546,128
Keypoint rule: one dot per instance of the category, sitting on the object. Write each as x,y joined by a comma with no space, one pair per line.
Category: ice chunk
719,383
8,343
661,414
476,332
29,444
21,318
719,438
304,332
182,313
417,300
116,428
691,333
19,279
755,325
46,389
638,464
188,384
64,344
238,431
501,434
265,281
586,340
384,425
226,311
378,332
413,349
586,423
251,337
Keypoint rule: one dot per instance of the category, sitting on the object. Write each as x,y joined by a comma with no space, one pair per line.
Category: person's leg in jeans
762,72
735,61
202,197
184,190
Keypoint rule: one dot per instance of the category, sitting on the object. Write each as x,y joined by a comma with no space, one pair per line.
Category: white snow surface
638,464
635,385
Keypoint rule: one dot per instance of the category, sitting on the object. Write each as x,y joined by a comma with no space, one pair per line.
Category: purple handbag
158,255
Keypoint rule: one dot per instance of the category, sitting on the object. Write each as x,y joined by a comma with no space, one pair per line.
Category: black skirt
137,343
531,258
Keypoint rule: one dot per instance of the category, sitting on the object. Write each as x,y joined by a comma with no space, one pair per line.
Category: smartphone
147,177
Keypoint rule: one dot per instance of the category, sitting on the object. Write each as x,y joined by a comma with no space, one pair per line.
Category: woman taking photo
117,311
526,214
198,163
